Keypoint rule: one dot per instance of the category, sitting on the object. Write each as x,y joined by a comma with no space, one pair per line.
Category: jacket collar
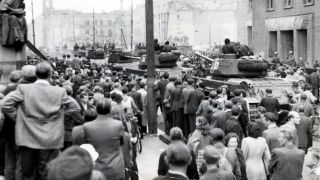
177,173
41,81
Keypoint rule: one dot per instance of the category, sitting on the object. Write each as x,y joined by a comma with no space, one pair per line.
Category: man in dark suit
178,157
240,102
188,113
161,87
195,99
304,131
286,162
136,96
175,95
220,117
270,103
228,109
130,126
205,109
233,125
315,82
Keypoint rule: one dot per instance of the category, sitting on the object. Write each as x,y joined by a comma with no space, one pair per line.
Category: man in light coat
38,110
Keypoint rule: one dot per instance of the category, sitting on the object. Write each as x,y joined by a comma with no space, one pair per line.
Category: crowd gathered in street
73,120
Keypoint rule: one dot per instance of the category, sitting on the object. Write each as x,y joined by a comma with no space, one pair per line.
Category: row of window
101,22
286,3
102,32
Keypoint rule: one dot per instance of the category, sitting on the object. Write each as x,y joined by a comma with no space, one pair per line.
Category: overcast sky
80,5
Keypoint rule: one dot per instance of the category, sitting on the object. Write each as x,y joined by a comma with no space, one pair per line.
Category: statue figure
13,25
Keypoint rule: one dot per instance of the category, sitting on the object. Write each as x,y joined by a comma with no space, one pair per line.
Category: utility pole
94,29
132,25
33,30
151,101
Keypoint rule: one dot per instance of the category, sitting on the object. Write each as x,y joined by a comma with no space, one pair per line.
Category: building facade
197,22
287,25
57,28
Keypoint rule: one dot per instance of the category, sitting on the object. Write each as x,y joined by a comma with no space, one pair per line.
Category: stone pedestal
11,59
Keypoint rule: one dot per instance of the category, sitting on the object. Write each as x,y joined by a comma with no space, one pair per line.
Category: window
308,2
87,23
270,5
101,22
250,5
109,22
110,33
287,3
87,31
101,32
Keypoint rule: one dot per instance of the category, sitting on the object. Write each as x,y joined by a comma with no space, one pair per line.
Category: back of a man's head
236,110
178,154
211,155
43,70
15,76
74,163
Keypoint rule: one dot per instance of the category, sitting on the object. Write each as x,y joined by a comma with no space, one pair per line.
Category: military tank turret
162,60
249,74
229,66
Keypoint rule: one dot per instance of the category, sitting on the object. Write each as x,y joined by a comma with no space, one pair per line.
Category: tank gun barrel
204,57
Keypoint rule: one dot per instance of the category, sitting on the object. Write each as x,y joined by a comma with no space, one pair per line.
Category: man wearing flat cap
212,158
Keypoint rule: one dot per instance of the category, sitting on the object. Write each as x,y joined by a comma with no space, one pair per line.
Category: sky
80,5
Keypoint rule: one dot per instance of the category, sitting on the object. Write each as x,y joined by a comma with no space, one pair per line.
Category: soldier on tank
228,48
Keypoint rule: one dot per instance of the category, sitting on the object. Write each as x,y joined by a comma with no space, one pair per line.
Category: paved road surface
148,159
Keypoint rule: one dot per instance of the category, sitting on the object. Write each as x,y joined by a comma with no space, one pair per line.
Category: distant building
194,21
56,28
287,25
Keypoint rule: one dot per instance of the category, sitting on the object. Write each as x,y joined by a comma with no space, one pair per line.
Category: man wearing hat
271,134
270,103
205,109
212,158
308,108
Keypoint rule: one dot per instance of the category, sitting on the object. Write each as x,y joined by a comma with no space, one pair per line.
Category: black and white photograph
159,89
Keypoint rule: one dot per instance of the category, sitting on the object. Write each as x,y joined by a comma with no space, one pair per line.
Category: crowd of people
95,114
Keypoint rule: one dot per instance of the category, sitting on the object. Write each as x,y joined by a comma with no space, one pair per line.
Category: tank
162,60
228,66
250,75
120,56
96,54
